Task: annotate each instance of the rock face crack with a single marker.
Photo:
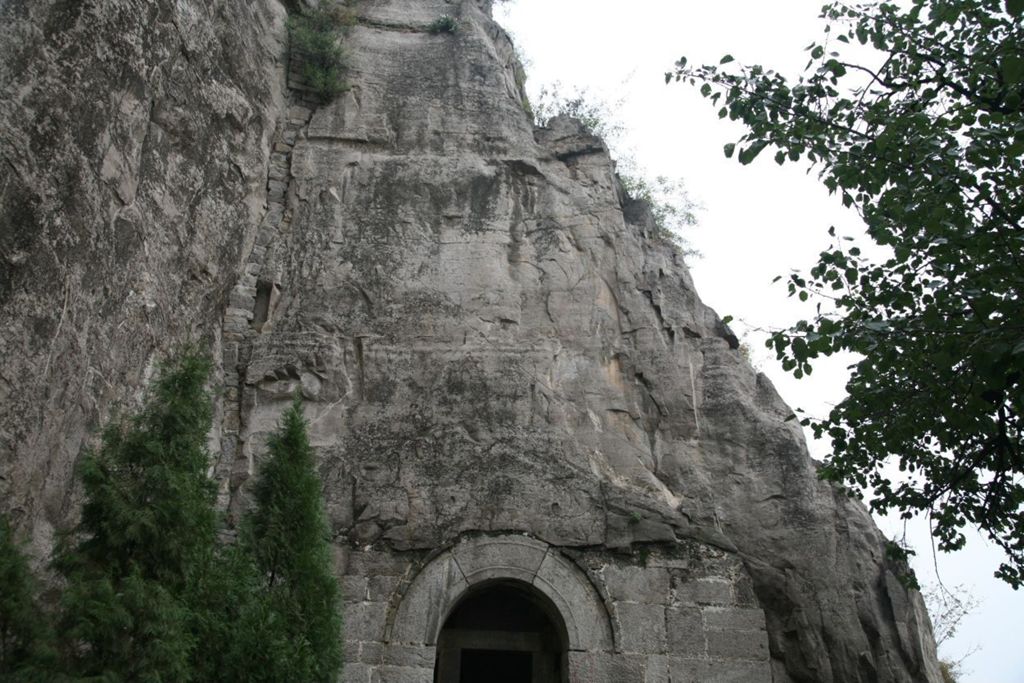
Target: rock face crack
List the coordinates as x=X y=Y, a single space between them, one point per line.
x=243 y=324
x=663 y=324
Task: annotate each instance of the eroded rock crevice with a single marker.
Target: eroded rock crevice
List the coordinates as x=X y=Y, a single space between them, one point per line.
x=254 y=299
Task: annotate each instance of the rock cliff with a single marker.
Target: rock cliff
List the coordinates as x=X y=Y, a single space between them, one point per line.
x=490 y=342
x=135 y=139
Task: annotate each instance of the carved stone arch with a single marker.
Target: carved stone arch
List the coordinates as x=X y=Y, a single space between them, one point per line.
x=441 y=584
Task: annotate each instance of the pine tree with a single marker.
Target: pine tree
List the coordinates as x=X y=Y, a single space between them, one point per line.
x=288 y=536
x=240 y=637
x=146 y=537
x=25 y=638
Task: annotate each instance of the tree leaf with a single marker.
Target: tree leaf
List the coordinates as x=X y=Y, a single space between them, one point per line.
x=934 y=315
x=1013 y=69
x=748 y=154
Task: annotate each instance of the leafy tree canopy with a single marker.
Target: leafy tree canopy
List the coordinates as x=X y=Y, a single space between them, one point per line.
x=924 y=137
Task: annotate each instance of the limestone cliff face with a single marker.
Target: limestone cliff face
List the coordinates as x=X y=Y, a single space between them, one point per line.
x=134 y=140
x=489 y=341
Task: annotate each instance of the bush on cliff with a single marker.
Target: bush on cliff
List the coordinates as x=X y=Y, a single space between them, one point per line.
x=315 y=35
x=672 y=210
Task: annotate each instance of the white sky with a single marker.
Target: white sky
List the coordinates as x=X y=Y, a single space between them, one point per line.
x=758 y=221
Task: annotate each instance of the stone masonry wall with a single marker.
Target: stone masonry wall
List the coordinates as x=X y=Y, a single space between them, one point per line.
x=681 y=612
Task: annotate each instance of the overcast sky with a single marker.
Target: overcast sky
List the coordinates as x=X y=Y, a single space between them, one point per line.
x=757 y=221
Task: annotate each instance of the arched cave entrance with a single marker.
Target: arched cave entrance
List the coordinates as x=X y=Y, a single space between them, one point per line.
x=502 y=632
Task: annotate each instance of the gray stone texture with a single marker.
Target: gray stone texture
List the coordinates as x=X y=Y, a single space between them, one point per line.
x=134 y=139
x=489 y=339
x=641 y=627
x=685 y=628
x=602 y=666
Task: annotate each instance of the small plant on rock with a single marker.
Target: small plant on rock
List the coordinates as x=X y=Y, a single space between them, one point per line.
x=315 y=36
x=444 y=24
x=672 y=209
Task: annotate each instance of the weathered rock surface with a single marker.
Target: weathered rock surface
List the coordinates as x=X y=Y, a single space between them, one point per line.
x=490 y=343
x=134 y=141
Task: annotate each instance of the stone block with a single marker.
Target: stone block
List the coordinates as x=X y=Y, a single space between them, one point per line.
x=685 y=631
x=657 y=670
x=381 y=588
x=686 y=670
x=358 y=673
x=249 y=280
x=299 y=114
x=637 y=584
x=229 y=355
x=704 y=671
x=508 y=557
x=371 y=653
x=242 y=314
x=350 y=650
x=365 y=620
x=276 y=190
x=376 y=563
x=231 y=423
x=641 y=627
x=577 y=601
x=705 y=592
x=734 y=618
x=240 y=300
x=405 y=674
x=738 y=644
x=274 y=215
x=354 y=588
x=603 y=667
x=434 y=590
x=265 y=235
x=416 y=656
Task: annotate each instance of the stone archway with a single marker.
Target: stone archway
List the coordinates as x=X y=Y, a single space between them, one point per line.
x=502 y=632
x=476 y=565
